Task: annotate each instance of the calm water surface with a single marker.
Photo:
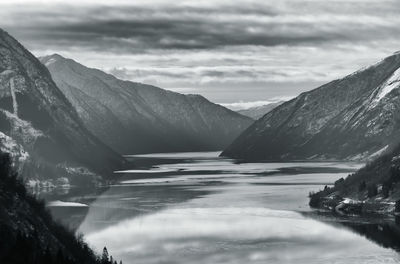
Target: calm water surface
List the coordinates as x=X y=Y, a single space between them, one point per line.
x=198 y=208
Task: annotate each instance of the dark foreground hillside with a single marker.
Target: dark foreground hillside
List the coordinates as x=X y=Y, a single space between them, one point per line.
x=375 y=188
x=27 y=231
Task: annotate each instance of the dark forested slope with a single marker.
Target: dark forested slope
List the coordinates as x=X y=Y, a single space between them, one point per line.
x=27 y=231
x=373 y=188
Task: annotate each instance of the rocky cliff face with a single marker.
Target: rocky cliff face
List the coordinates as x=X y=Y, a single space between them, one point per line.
x=37 y=122
x=356 y=117
x=138 y=118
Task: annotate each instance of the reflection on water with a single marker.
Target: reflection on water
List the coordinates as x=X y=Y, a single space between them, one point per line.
x=386 y=234
x=125 y=202
x=197 y=208
x=383 y=230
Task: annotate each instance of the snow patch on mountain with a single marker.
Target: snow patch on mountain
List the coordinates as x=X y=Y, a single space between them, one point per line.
x=7 y=72
x=391 y=84
x=50 y=61
x=14 y=97
x=28 y=132
x=15 y=150
x=379 y=152
x=59 y=203
x=9 y=145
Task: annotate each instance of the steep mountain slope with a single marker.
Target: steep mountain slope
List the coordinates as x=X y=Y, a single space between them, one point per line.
x=138 y=118
x=259 y=111
x=351 y=118
x=38 y=125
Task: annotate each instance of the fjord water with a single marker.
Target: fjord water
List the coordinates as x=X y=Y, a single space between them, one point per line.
x=198 y=208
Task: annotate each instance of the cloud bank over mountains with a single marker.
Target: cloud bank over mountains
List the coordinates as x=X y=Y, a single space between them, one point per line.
x=228 y=51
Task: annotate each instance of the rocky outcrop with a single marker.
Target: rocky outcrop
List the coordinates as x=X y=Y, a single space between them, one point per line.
x=138 y=118
x=354 y=118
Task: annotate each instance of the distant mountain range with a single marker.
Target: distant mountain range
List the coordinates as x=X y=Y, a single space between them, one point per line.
x=354 y=118
x=39 y=127
x=138 y=118
x=259 y=111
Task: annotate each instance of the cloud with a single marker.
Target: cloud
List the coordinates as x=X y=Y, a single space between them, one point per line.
x=197 y=46
x=142 y=28
x=247 y=105
x=233 y=234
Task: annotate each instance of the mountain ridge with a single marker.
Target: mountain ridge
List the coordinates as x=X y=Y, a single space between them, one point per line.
x=145 y=118
x=36 y=116
x=329 y=121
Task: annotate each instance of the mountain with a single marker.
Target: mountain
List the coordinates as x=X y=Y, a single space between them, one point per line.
x=27 y=230
x=259 y=111
x=138 y=118
x=374 y=188
x=354 y=118
x=38 y=125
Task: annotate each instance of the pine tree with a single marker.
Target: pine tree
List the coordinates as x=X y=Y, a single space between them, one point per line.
x=60 y=257
x=47 y=258
x=104 y=257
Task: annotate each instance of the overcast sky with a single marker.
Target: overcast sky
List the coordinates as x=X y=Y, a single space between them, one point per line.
x=229 y=51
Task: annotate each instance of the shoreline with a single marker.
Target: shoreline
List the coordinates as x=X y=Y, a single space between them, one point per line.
x=349 y=206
